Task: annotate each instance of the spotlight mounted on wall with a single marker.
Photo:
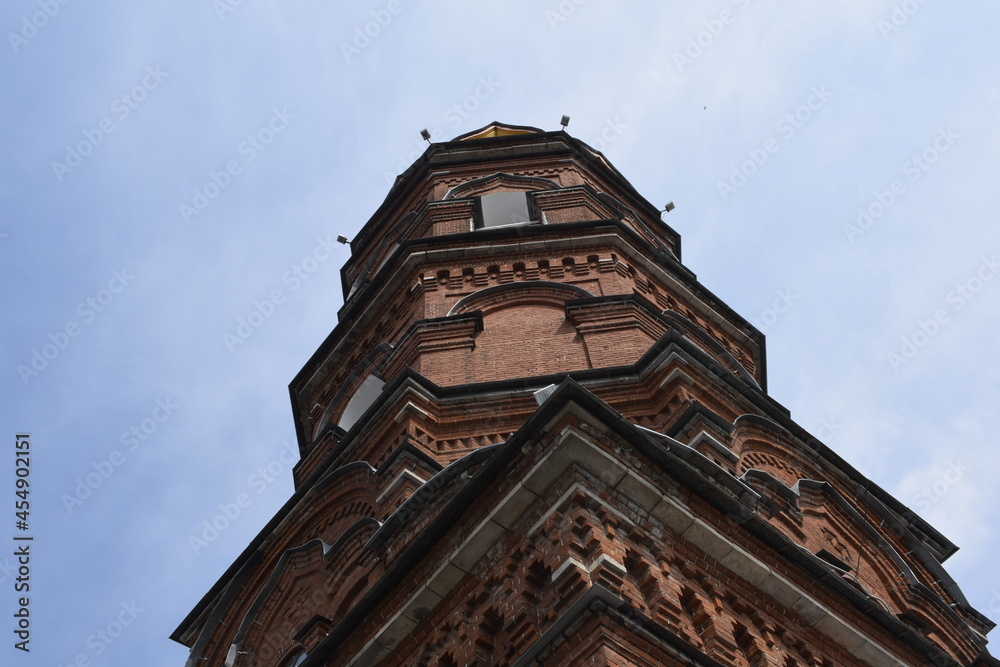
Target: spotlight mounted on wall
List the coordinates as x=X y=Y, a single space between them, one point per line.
x=425 y=135
x=564 y=121
x=669 y=207
x=342 y=239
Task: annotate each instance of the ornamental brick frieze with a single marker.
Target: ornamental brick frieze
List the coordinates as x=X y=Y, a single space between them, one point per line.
x=309 y=589
x=577 y=270
x=613 y=274
x=587 y=539
x=764 y=445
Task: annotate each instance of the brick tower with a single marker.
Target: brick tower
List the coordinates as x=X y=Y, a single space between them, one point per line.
x=535 y=438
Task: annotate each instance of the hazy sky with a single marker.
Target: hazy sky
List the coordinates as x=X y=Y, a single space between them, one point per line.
x=169 y=165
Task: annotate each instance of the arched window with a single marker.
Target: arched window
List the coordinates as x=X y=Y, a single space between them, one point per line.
x=363 y=398
x=295 y=659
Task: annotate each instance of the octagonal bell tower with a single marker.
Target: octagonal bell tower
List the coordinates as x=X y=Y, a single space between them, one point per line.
x=533 y=437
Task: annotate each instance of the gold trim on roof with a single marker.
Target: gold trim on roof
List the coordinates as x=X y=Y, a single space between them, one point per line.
x=497 y=131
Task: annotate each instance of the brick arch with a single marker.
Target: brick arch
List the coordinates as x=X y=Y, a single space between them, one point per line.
x=525 y=331
x=767 y=458
x=340 y=498
x=876 y=573
x=500 y=182
x=887 y=567
x=763 y=445
x=533 y=291
x=358 y=584
x=931 y=625
x=887 y=564
x=423 y=502
x=371 y=364
x=306 y=586
x=292 y=656
x=391 y=238
x=289 y=599
x=350 y=570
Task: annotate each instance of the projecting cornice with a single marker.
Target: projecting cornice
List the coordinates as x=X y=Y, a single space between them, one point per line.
x=574 y=448
x=703 y=477
x=499 y=147
x=369 y=301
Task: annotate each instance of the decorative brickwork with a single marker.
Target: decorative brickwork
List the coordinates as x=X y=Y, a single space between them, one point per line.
x=546 y=443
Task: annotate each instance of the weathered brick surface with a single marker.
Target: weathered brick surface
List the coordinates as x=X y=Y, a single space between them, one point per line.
x=425 y=536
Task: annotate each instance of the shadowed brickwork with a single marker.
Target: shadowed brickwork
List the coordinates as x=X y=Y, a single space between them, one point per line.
x=543 y=441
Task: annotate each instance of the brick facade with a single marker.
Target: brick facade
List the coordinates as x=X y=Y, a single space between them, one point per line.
x=547 y=443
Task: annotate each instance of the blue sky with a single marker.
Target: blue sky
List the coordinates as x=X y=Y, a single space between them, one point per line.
x=833 y=166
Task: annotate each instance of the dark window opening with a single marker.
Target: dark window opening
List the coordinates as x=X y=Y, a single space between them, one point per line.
x=502 y=208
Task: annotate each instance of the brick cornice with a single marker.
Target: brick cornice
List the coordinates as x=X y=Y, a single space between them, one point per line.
x=570 y=396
